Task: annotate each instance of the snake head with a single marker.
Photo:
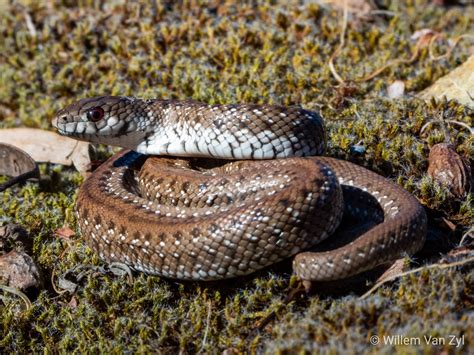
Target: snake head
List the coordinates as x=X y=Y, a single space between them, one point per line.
x=114 y=120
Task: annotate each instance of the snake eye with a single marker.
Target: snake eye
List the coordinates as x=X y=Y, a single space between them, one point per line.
x=95 y=114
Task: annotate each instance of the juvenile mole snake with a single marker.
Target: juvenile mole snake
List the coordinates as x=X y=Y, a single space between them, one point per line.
x=205 y=219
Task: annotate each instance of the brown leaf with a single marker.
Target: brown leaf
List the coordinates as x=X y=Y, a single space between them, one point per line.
x=449 y=169
x=396 y=268
x=73 y=302
x=423 y=36
x=64 y=232
x=16 y=163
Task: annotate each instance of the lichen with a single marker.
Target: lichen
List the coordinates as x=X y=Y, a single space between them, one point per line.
x=221 y=52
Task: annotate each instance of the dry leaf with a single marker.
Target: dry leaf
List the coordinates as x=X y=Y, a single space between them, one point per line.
x=459 y=253
x=457 y=85
x=16 y=163
x=73 y=303
x=49 y=147
x=396 y=268
x=449 y=169
x=64 y=232
x=423 y=36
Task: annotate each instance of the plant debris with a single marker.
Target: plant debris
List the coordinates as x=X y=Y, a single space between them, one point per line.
x=449 y=169
x=457 y=85
x=16 y=163
x=49 y=147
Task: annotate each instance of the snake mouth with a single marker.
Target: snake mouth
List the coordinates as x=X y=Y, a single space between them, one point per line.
x=64 y=129
x=54 y=122
x=61 y=125
x=63 y=132
x=77 y=136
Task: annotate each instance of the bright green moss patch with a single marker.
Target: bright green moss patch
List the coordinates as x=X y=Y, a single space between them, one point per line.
x=54 y=53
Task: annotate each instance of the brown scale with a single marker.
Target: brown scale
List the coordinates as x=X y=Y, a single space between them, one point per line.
x=401 y=229
x=203 y=220
x=274 y=220
x=226 y=252
x=191 y=183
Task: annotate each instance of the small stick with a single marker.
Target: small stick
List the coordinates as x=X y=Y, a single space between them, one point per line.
x=18 y=293
x=340 y=46
x=432 y=266
x=456 y=40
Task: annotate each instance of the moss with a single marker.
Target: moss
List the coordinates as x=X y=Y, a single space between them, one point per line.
x=221 y=52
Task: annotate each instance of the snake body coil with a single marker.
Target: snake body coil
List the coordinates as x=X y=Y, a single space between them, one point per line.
x=201 y=219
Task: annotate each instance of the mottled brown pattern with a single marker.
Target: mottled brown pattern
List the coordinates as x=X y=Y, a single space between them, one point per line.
x=203 y=219
x=449 y=169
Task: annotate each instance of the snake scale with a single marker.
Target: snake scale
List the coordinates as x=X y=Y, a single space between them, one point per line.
x=263 y=197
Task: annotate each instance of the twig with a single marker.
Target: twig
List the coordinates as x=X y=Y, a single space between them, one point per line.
x=422 y=268
x=340 y=46
x=376 y=72
x=410 y=60
x=383 y=12
x=58 y=291
x=415 y=55
x=19 y=179
x=462 y=124
x=29 y=24
x=208 y=321
x=391 y=64
x=464 y=237
x=456 y=40
x=18 y=293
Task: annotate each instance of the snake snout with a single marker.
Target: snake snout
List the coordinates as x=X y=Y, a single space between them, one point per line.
x=59 y=119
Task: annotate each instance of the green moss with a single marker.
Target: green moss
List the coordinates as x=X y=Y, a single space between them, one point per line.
x=268 y=52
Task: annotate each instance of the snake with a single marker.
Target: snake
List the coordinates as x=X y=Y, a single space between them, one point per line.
x=207 y=192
